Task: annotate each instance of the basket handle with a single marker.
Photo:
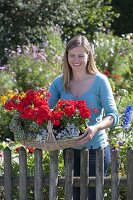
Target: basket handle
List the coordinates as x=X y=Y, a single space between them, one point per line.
x=51 y=136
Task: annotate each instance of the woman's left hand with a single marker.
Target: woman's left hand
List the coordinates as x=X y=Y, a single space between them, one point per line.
x=89 y=132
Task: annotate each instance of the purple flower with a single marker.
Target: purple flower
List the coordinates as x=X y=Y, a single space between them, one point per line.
x=127 y=118
x=41 y=57
x=117 y=150
x=45 y=43
x=34 y=49
x=3 y=67
x=120 y=142
x=35 y=55
x=19 y=50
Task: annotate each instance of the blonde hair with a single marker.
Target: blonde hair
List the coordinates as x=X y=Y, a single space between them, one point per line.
x=90 y=67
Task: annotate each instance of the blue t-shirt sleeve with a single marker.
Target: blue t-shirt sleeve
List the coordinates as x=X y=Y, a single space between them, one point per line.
x=107 y=100
x=54 y=93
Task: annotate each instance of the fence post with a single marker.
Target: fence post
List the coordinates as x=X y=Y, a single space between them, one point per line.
x=114 y=176
x=7 y=174
x=84 y=174
x=53 y=179
x=99 y=174
x=22 y=174
x=69 y=171
x=38 y=175
x=130 y=174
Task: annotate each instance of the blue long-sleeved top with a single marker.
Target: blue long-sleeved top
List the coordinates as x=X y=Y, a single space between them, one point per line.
x=99 y=96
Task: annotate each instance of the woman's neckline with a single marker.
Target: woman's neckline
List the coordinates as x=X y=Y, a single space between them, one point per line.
x=86 y=90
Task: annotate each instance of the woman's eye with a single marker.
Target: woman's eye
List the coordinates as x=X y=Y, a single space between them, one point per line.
x=81 y=57
x=72 y=56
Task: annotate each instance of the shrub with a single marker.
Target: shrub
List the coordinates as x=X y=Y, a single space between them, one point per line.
x=36 y=66
x=114 y=58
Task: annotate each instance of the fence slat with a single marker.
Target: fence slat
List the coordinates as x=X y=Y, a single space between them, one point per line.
x=7 y=174
x=69 y=172
x=130 y=174
x=53 y=179
x=99 y=174
x=38 y=175
x=22 y=174
x=114 y=176
x=84 y=174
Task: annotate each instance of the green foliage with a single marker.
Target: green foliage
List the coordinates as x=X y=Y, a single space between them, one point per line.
x=24 y=22
x=89 y=17
x=31 y=65
x=121 y=139
x=6 y=81
x=114 y=58
x=5 y=118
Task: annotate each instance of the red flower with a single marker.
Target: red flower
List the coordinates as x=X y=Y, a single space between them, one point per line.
x=107 y=73
x=95 y=110
x=56 y=122
x=17 y=149
x=85 y=112
x=30 y=149
x=33 y=106
x=70 y=110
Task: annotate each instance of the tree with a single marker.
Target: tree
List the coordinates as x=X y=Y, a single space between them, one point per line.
x=23 y=21
x=123 y=24
x=87 y=17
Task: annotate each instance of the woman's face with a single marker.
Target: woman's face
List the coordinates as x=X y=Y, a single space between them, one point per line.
x=78 y=58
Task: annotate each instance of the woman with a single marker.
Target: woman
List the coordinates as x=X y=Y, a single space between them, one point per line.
x=82 y=80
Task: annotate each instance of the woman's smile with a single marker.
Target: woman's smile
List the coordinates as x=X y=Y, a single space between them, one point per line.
x=75 y=64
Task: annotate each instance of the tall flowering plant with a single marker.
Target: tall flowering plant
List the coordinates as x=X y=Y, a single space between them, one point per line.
x=126 y=118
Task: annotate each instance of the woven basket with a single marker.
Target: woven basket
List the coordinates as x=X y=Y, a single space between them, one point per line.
x=51 y=144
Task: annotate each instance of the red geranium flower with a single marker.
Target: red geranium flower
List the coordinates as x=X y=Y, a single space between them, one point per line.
x=71 y=111
x=33 y=108
x=30 y=149
x=107 y=73
x=17 y=149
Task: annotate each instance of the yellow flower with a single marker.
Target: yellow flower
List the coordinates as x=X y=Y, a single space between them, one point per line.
x=10 y=94
x=7 y=96
x=3 y=99
x=22 y=95
x=116 y=145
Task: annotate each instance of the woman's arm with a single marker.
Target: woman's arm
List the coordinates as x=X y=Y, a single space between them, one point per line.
x=90 y=131
x=110 y=111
